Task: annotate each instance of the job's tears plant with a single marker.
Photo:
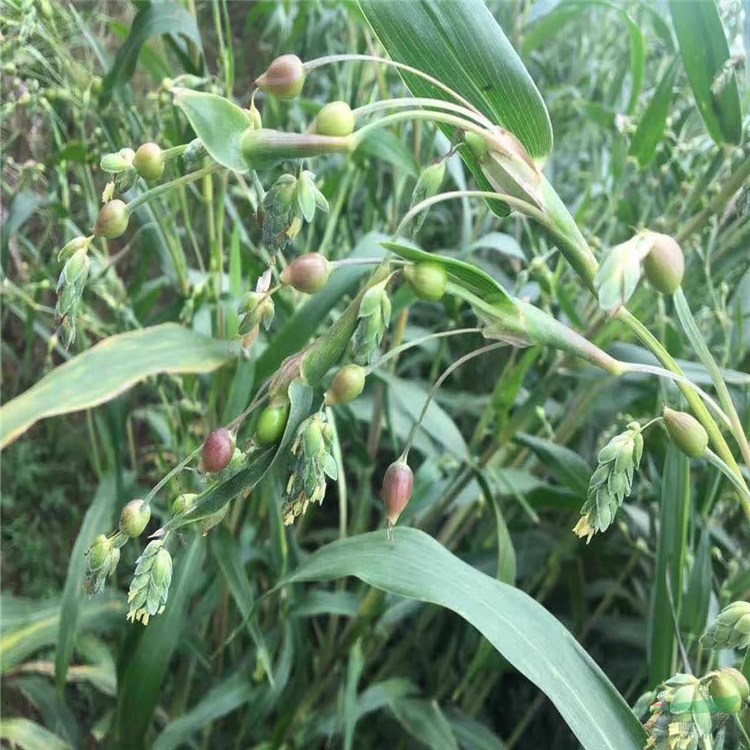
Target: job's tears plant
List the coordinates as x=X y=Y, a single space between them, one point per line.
x=290 y=426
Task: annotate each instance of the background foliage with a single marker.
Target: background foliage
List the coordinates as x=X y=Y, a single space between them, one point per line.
x=343 y=663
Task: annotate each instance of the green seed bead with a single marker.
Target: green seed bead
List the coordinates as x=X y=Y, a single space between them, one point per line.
x=664 y=265
x=686 y=432
x=134 y=518
x=347 y=385
x=149 y=162
x=271 y=424
x=428 y=280
x=284 y=78
x=112 y=220
x=726 y=694
x=335 y=119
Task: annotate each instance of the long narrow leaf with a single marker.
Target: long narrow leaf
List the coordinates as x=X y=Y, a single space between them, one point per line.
x=523 y=631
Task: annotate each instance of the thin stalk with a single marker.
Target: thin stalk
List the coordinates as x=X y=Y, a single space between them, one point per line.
x=694 y=401
x=731 y=186
x=155 y=192
x=174 y=151
x=438 y=383
x=416 y=101
x=732 y=477
x=682 y=380
x=699 y=345
x=417 y=342
x=420 y=114
x=511 y=200
x=329 y=59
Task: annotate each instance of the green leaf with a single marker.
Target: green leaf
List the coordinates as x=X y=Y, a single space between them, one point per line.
x=523 y=631
x=153 y=19
x=472 y=735
x=670 y=563
x=108 y=369
x=28 y=735
x=566 y=465
x=29 y=627
x=227 y=554
x=705 y=53
x=98 y=517
x=694 y=612
x=148 y=661
x=221 y=700
x=425 y=722
x=651 y=126
x=219 y=123
x=462 y=45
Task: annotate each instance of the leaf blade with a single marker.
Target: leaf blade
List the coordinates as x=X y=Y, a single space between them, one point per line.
x=124 y=360
x=417 y=566
x=219 y=123
x=705 y=52
x=462 y=45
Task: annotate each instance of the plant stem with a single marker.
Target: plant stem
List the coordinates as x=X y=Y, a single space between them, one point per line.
x=697 y=406
x=517 y=203
x=680 y=379
x=416 y=342
x=736 y=481
x=731 y=186
x=415 y=101
x=328 y=59
x=699 y=345
x=419 y=114
x=438 y=383
x=155 y=192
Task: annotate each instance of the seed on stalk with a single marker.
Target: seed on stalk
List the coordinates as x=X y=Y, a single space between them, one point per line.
x=134 y=518
x=664 y=265
x=309 y=273
x=347 y=385
x=218 y=450
x=112 y=220
x=149 y=162
x=428 y=280
x=398 y=483
x=284 y=77
x=687 y=433
x=336 y=119
x=729 y=690
x=271 y=424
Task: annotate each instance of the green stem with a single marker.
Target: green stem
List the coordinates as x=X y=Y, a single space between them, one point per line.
x=328 y=59
x=680 y=380
x=417 y=342
x=731 y=186
x=694 y=401
x=736 y=481
x=174 y=152
x=699 y=345
x=420 y=114
x=155 y=192
x=411 y=101
x=438 y=383
x=517 y=203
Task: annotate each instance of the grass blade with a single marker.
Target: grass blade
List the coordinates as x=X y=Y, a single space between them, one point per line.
x=523 y=631
x=98 y=517
x=670 y=563
x=108 y=369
